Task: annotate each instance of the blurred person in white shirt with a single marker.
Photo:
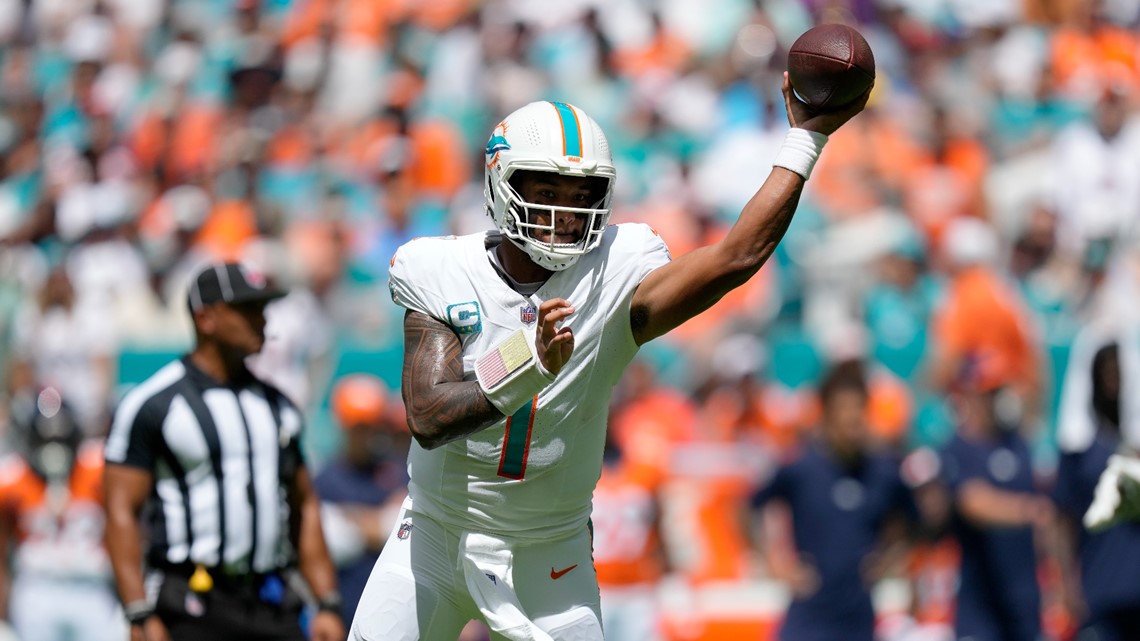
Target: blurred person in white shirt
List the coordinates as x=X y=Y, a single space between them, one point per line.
x=72 y=347
x=1096 y=161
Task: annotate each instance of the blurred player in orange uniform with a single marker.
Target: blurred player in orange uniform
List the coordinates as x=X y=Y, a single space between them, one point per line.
x=628 y=552
x=59 y=580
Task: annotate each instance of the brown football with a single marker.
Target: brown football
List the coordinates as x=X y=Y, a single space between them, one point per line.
x=830 y=65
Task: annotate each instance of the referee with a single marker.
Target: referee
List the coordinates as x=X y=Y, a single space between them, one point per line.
x=208 y=458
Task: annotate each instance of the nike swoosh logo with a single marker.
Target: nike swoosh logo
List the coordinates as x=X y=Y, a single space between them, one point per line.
x=557 y=574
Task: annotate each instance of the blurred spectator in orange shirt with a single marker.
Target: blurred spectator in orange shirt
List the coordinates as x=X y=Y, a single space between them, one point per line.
x=948 y=178
x=1088 y=50
x=866 y=166
x=664 y=53
x=983 y=314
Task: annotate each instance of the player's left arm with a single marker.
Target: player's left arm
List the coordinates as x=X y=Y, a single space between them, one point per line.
x=687 y=286
x=313 y=558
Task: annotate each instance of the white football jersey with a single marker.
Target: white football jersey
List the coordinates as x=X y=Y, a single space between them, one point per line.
x=532 y=474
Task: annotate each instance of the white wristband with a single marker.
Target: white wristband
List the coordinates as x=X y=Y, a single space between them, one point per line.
x=800 y=150
x=510 y=374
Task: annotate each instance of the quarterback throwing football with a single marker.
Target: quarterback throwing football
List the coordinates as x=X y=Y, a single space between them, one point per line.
x=514 y=340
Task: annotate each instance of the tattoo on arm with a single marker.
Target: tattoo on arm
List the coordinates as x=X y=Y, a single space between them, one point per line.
x=638 y=319
x=441 y=406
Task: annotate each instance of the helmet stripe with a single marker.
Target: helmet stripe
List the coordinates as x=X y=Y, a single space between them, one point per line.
x=571 y=132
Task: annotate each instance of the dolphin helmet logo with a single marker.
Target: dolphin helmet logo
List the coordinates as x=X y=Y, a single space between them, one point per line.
x=497 y=143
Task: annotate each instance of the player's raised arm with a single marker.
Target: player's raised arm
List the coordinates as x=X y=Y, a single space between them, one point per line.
x=674 y=293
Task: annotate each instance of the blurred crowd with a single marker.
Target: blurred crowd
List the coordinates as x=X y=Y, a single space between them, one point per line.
x=983 y=206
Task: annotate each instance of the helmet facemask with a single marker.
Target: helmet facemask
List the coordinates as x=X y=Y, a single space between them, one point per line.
x=535 y=227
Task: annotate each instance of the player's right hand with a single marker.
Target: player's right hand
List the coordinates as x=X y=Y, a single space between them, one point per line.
x=553 y=342
x=825 y=122
x=151 y=630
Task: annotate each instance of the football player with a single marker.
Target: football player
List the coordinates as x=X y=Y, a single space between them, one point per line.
x=514 y=340
x=57 y=574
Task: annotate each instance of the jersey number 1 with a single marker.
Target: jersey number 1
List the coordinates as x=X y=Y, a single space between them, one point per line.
x=516 y=441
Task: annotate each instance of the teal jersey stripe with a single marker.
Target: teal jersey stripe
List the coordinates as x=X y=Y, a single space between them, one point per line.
x=571 y=134
x=513 y=462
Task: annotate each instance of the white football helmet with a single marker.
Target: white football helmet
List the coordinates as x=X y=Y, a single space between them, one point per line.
x=553 y=137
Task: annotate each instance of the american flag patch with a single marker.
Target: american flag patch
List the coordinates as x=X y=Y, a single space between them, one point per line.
x=503 y=360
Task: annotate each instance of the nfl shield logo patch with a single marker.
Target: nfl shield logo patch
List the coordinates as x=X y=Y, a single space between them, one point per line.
x=528 y=314
x=404 y=531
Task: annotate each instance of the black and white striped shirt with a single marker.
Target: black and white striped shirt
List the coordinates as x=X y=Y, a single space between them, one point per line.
x=222 y=456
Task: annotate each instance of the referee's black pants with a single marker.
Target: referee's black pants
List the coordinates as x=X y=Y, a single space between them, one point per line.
x=231 y=611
